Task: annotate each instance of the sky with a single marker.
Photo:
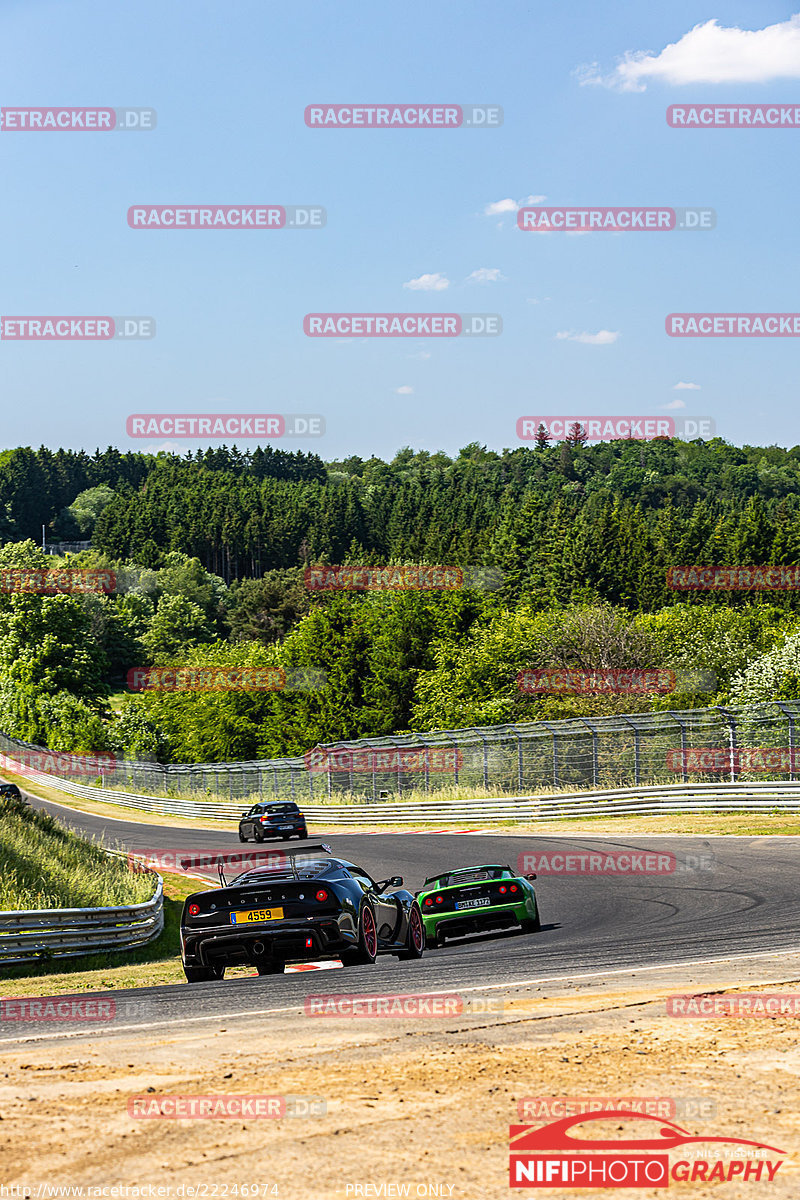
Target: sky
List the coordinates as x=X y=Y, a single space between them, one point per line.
x=417 y=220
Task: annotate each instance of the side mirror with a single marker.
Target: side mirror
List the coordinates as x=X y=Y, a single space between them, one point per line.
x=396 y=881
x=244 y=814
x=531 y=876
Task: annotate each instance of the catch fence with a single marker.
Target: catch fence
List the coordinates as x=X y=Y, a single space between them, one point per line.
x=705 y=745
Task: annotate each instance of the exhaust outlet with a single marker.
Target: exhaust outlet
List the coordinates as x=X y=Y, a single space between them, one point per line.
x=258 y=947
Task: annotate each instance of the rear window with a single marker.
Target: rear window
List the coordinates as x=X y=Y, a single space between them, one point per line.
x=479 y=875
x=282 y=808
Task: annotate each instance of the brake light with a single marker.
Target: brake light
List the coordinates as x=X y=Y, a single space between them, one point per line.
x=502 y=889
x=322 y=895
x=513 y=887
x=264 y=820
x=194 y=909
x=440 y=899
x=429 y=903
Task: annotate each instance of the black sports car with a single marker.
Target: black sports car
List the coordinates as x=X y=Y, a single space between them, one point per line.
x=308 y=907
x=272 y=820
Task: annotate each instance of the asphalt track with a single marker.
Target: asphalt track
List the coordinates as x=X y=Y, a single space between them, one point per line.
x=728 y=897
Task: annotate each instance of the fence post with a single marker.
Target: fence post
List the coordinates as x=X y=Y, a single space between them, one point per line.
x=485 y=758
x=427 y=770
x=790 y=717
x=682 y=724
x=636 y=762
x=730 y=721
x=456 y=753
x=519 y=762
x=590 y=726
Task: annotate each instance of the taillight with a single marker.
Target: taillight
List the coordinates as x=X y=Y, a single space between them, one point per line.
x=513 y=888
x=440 y=899
x=502 y=889
x=322 y=895
x=264 y=820
x=429 y=903
x=194 y=909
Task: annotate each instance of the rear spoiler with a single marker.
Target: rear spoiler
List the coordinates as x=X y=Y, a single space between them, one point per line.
x=219 y=860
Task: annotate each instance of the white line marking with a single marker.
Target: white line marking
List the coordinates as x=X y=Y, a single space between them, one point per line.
x=489 y=987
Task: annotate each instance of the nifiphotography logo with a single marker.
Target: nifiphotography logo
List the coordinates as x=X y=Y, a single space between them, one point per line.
x=552 y=1156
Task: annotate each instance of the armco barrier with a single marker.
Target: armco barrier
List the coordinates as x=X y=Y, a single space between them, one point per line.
x=643 y=801
x=70 y=932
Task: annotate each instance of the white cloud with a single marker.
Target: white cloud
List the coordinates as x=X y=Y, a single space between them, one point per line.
x=428 y=283
x=500 y=207
x=604 y=337
x=405 y=390
x=486 y=275
x=686 y=387
x=709 y=53
x=675 y=404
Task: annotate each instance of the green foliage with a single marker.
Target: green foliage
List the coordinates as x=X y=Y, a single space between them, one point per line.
x=46 y=866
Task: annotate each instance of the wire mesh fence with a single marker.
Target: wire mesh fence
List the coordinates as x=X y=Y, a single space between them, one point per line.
x=690 y=746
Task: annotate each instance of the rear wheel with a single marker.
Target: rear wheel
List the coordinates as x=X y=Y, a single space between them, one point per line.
x=532 y=926
x=242 y=838
x=203 y=974
x=367 y=949
x=271 y=968
x=415 y=936
x=433 y=941
x=303 y=833
x=259 y=836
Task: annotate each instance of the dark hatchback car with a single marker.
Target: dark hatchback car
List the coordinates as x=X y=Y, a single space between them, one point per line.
x=313 y=908
x=271 y=820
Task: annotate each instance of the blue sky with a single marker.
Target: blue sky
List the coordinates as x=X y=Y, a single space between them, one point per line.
x=230 y=83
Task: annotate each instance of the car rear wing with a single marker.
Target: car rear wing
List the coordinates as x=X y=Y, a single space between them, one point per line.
x=219 y=860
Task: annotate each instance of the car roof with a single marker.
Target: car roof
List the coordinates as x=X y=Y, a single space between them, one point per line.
x=311 y=867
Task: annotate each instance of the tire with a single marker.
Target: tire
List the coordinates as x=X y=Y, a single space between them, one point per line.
x=242 y=838
x=304 y=834
x=203 y=974
x=415 y=936
x=532 y=925
x=433 y=941
x=259 y=836
x=367 y=949
x=271 y=968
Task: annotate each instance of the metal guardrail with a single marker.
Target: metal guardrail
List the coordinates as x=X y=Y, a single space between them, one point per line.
x=642 y=801
x=45 y=933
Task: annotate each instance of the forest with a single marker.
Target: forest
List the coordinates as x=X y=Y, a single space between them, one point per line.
x=212 y=555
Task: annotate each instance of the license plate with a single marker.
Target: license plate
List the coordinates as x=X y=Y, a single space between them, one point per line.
x=254 y=915
x=483 y=903
x=287 y=826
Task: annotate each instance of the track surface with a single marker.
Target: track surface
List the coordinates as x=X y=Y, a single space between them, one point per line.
x=743 y=898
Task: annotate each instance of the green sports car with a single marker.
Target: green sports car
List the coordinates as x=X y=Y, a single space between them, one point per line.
x=476 y=899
